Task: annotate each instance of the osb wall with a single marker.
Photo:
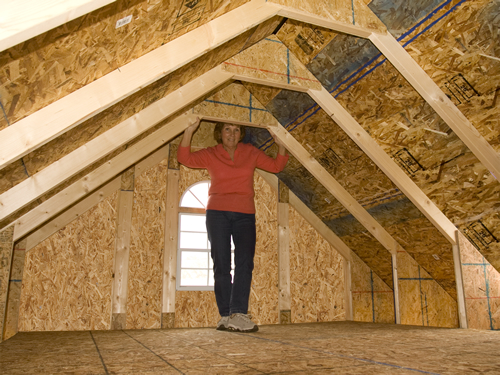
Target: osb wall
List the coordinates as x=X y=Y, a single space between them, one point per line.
x=482 y=288
x=146 y=248
x=372 y=299
x=317 y=282
x=422 y=301
x=67 y=278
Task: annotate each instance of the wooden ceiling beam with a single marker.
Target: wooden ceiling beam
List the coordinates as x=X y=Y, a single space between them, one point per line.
x=23 y=20
x=53 y=120
x=35 y=186
x=331 y=184
x=366 y=143
x=84 y=186
x=436 y=98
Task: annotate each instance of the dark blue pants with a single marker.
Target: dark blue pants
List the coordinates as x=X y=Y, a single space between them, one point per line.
x=232 y=295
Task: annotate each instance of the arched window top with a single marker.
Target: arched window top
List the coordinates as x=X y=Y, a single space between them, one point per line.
x=196 y=196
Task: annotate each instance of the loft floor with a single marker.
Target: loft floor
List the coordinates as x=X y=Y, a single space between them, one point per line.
x=321 y=348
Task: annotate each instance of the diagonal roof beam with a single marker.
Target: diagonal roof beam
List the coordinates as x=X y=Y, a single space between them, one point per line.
x=356 y=132
x=81 y=188
x=35 y=186
x=443 y=106
x=331 y=184
x=53 y=120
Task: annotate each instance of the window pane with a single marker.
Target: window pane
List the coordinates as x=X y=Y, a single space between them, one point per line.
x=193 y=240
x=190 y=201
x=194 y=277
x=200 y=191
x=194 y=259
x=211 y=278
x=193 y=223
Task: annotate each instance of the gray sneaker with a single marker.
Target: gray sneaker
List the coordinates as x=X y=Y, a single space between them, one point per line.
x=222 y=325
x=242 y=323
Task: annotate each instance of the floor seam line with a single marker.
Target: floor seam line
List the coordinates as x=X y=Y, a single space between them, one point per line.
x=99 y=353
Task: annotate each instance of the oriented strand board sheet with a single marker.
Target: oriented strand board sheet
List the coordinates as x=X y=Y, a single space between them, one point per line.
x=234 y=102
x=372 y=299
x=422 y=301
x=67 y=278
x=146 y=249
x=271 y=60
x=481 y=286
x=60 y=61
x=316 y=275
x=264 y=293
x=305 y=41
x=346 y=11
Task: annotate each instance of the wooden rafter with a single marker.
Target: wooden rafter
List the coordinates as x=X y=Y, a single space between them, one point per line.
x=356 y=132
x=326 y=179
x=71 y=164
x=436 y=98
x=81 y=188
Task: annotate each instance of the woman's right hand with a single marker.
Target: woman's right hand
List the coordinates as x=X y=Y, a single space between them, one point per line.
x=192 y=128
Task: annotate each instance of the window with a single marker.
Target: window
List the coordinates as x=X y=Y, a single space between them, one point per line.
x=194 y=263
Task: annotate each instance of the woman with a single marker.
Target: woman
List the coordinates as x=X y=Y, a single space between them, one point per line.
x=231 y=213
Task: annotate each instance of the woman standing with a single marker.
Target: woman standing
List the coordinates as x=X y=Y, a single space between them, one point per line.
x=231 y=213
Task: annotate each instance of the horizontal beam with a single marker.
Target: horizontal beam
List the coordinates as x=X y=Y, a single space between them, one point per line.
x=48 y=178
x=326 y=179
x=24 y=19
x=233 y=121
x=53 y=120
x=443 y=106
x=366 y=143
x=81 y=188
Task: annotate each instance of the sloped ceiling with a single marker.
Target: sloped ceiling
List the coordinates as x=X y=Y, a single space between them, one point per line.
x=455 y=42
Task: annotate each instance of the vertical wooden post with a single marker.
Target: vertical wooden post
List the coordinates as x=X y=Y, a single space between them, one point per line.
x=284 y=297
x=348 y=290
x=395 y=281
x=122 y=251
x=6 y=249
x=11 y=323
x=457 y=262
x=170 y=255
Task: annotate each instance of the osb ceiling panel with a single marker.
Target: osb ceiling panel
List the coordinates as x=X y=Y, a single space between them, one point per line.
x=43 y=69
x=61 y=146
x=458 y=46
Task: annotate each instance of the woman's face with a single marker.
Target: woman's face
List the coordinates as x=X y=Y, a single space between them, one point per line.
x=231 y=135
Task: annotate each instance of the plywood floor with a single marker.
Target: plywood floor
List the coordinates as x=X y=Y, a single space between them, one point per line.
x=323 y=348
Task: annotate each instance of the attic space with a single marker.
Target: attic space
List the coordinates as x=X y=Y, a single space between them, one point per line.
x=377 y=245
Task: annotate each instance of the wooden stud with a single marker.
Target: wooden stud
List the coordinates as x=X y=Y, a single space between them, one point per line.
x=349 y=314
x=84 y=156
x=170 y=255
x=284 y=296
x=6 y=249
x=395 y=288
x=122 y=250
x=23 y=20
x=326 y=179
x=356 y=132
x=55 y=119
x=96 y=178
x=443 y=106
x=457 y=262
x=10 y=326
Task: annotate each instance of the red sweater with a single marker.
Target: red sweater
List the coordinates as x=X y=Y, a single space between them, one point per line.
x=232 y=181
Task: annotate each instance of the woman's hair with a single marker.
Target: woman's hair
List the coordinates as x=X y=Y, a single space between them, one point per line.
x=218 y=131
